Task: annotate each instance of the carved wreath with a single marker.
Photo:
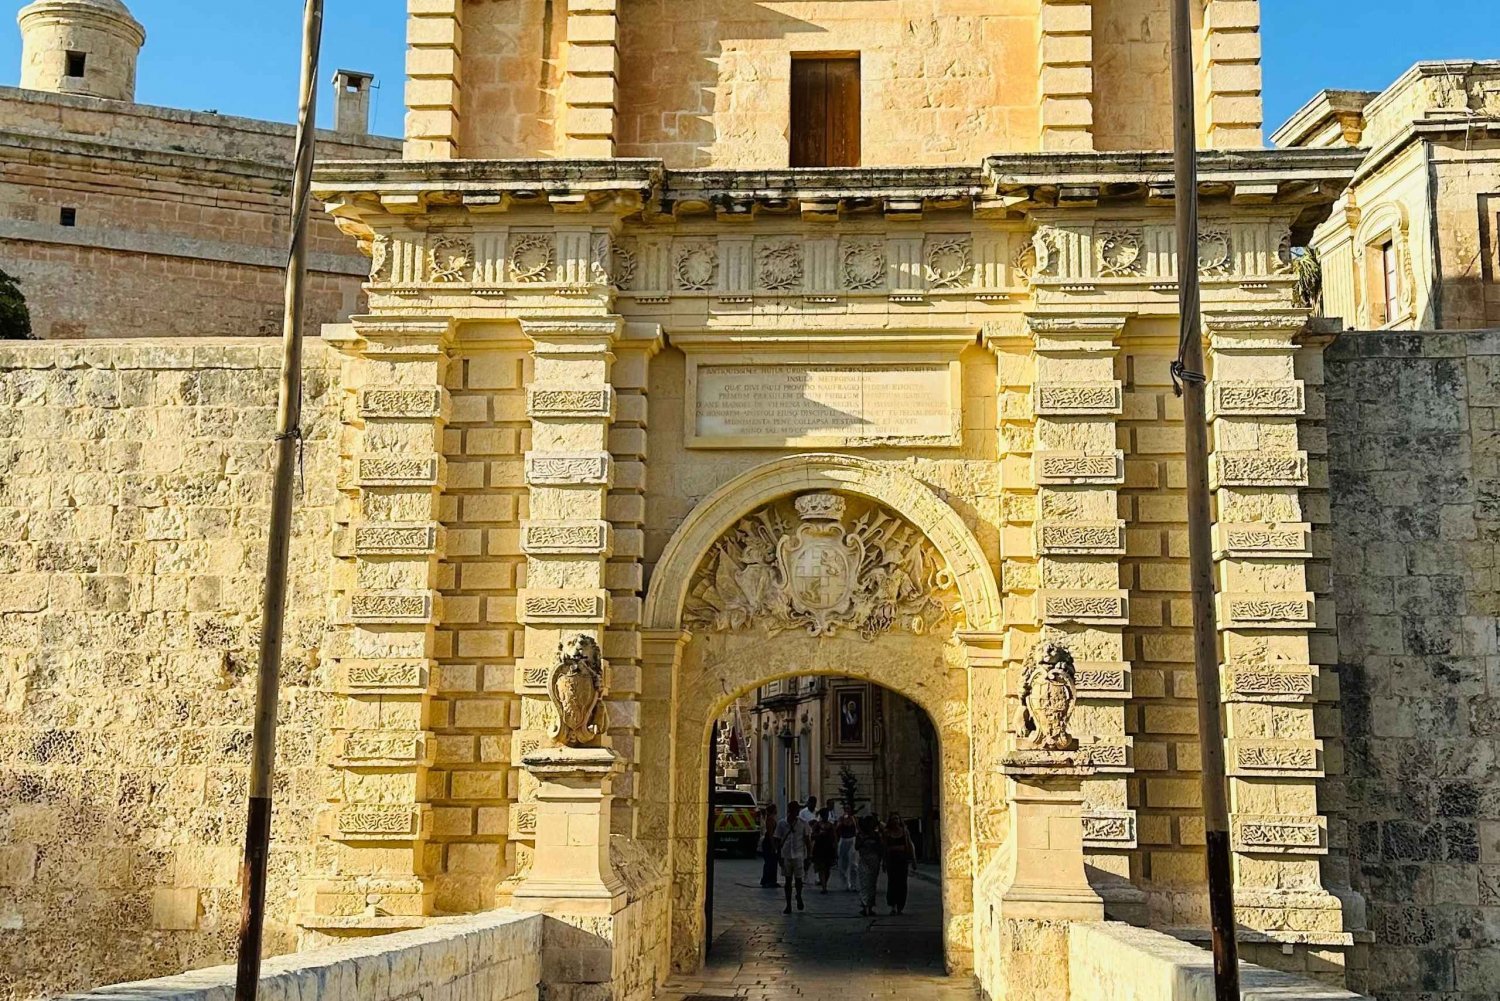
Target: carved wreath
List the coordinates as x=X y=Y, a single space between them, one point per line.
x=864 y=266
x=949 y=263
x=1120 y=254
x=531 y=258
x=622 y=267
x=450 y=259
x=781 y=266
x=697 y=267
x=1215 y=254
x=818 y=569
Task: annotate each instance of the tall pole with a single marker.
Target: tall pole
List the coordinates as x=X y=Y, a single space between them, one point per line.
x=1188 y=375
x=273 y=607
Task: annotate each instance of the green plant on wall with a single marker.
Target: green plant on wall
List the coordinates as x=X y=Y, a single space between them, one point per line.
x=15 y=318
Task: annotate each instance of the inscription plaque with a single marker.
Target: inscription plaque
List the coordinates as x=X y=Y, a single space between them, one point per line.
x=770 y=405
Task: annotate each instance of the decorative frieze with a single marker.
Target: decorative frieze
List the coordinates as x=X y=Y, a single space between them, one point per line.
x=1274 y=610
x=863 y=266
x=1077 y=399
x=553 y=402
x=394 y=540
x=568 y=469
x=385 y=677
x=1104 y=681
x=1111 y=756
x=779 y=265
x=533 y=257
x=1263 y=541
x=372 y=822
x=1265 y=684
x=1287 y=835
x=390 y=607
x=1109 y=829
x=1065 y=538
x=1086 y=607
x=1121 y=254
x=1250 y=758
x=381 y=748
x=950 y=262
x=538 y=606
x=1260 y=469
x=565 y=537
x=1060 y=468
x=399 y=471
x=1257 y=399
x=403 y=404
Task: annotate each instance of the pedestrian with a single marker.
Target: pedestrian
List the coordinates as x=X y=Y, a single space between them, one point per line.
x=846 y=829
x=770 y=848
x=796 y=847
x=809 y=814
x=869 y=850
x=825 y=850
x=899 y=854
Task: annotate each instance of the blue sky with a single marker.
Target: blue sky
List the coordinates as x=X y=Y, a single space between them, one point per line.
x=240 y=56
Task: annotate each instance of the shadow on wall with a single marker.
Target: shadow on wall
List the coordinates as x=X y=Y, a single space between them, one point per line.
x=15 y=318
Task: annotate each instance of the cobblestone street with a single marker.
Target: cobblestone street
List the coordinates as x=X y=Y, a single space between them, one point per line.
x=825 y=953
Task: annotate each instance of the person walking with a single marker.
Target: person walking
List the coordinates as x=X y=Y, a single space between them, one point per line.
x=796 y=847
x=869 y=850
x=825 y=849
x=846 y=829
x=899 y=853
x=770 y=848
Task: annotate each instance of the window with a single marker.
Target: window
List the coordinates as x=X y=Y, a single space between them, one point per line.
x=77 y=62
x=68 y=217
x=1390 y=286
x=825 y=111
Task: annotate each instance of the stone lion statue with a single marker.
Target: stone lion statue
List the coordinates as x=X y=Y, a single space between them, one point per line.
x=577 y=690
x=1049 y=693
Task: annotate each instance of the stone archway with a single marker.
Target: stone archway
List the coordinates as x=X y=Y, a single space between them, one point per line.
x=921 y=579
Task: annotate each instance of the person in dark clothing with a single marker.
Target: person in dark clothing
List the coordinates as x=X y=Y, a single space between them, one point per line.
x=825 y=847
x=899 y=853
x=770 y=848
x=869 y=850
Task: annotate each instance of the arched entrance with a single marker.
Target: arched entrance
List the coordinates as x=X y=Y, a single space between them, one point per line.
x=851 y=744
x=815 y=565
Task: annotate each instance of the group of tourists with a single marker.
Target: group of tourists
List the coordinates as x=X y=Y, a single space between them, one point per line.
x=860 y=848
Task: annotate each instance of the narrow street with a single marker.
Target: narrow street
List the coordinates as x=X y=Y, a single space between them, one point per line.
x=825 y=953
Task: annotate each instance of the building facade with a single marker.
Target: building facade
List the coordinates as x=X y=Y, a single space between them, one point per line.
x=705 y=350
x=1411 y=245
x=119 y=218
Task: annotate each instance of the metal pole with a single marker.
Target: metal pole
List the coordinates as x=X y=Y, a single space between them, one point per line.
x=273 y=607
x=1188 y=374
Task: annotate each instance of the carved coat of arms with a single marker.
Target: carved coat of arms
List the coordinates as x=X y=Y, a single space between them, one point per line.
x=577 y=690
x=1049 y=694
x=822 y=574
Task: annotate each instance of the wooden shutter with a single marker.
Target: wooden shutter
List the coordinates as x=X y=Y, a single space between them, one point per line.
x=825 y=112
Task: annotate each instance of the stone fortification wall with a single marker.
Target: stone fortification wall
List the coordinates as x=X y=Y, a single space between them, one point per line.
x=493 y=957
x=1416 y=530
x=119 y=218
x=133 y=496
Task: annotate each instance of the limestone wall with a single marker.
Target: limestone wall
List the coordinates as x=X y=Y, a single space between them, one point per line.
x=178 y=225
x=135 y=481
x=493 y=957
x=1416 y=522
x=1115 y=962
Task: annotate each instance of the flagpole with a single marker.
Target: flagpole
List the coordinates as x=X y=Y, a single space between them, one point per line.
x=1188 y=375
x=273 y=608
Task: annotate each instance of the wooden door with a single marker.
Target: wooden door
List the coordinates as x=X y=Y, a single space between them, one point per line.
x=825 y=111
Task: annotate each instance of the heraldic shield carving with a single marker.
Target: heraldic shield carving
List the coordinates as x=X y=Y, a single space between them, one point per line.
x=811 y=565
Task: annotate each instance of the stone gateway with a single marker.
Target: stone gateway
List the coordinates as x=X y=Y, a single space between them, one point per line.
x=639 y=419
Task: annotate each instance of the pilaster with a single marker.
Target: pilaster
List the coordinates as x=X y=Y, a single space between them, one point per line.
x=1266 y=614
x=1080 y=542
x=1231 y=82
x=591 y=85
x=566 y=536
x=434 y=40
x=373 y=832
x=1066 y=75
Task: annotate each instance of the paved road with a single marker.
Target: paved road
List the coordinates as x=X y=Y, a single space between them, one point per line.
x=825 y=953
